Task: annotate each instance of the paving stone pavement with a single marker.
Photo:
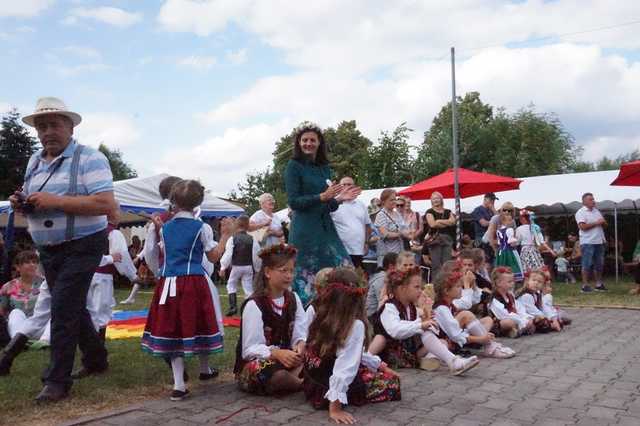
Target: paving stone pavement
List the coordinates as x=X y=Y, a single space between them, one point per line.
x=586 y=375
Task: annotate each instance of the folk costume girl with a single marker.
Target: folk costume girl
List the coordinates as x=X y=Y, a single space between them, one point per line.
x=182 y=317
x=272 y=335
x=548 y=308
x=406 y=336
x=461 y=326
x=531 y=298
x=506 y=242
x=336 y=371
x=511 y=316
x=530 y=239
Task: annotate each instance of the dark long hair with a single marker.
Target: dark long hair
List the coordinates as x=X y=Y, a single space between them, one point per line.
x=321 y=157
x=275 y=256
x=338 y=306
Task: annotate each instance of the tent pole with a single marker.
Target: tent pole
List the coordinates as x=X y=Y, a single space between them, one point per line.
x=454 y=124
x=615 y=230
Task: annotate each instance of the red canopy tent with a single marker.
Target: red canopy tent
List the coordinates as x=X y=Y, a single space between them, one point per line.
x=629 y=175
x=470 y=183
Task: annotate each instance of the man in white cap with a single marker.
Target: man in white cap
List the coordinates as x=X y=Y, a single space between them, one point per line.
x=67 y=193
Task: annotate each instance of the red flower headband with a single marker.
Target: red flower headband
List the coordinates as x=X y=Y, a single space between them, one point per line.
x=356 y=291
x=285 y=249
x=503 y=270
x=454 y=277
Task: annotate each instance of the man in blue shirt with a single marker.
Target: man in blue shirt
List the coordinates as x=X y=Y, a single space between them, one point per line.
x=67 y=193
x=481 y=217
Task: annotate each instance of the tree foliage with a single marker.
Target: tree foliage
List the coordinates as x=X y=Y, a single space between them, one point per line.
x=119 y=168
x=16 y=146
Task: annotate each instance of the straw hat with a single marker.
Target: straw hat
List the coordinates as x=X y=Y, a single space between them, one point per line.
x=51 y=105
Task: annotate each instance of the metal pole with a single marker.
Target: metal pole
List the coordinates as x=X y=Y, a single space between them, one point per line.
x=615 y=230
x=454 y=124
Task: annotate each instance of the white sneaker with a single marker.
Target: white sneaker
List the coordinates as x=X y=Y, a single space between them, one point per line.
x=429 y=363
x=459 y=365
x=506 y=348
x=128 y=302
x=494 y=350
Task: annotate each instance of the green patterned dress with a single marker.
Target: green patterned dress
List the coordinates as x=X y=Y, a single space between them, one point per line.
x=312 y=231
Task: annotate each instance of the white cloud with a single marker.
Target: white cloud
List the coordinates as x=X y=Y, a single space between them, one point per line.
x=23 y=8
x=610 y=146
x=74 y=70
x=199 y=63
x=364 y=34
x=108 y=15
x=223 y=161
x=237 y=57
x=86 y=52
x=113 y=129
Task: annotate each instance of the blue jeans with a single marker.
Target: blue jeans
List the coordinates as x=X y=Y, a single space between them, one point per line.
x=592 y=257
x=68 y=268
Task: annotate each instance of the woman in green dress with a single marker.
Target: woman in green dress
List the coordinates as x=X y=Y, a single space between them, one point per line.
x=312 y=195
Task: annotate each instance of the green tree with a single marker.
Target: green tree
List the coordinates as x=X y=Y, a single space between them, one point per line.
x=526 y=143
x=606 y=163
x=16 y=146
x=389 y=162
x=119 y=168
x=254 y=186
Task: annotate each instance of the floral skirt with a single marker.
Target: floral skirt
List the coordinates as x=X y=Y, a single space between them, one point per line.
x=402 y=354
x=255 y=375
x=510 y=259
x=367 y=387
x=531 y=258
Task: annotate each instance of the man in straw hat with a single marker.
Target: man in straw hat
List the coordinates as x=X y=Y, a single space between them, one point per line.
x=67 y=193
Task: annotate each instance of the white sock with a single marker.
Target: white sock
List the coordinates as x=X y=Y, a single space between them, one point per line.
x=177 y=366
x=436 y=347
x=204 y=364
x=134 y=291
x=476 y=328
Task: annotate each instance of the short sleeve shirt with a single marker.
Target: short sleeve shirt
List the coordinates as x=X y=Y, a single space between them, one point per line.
x=391 y=222
x=261 y=218
x=594 y=235
x=480 y=212
x=350 y=221
x=94 y=176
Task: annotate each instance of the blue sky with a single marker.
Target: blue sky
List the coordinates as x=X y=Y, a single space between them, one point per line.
x=205 y=88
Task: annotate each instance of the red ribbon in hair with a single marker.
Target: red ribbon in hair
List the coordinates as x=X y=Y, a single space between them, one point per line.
x=454 y=277
x=503 y=270
x=356 y=291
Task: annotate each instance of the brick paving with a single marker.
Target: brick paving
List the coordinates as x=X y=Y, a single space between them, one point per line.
x=586 y=375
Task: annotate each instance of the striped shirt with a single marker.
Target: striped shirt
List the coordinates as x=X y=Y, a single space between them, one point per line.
x=94 y=176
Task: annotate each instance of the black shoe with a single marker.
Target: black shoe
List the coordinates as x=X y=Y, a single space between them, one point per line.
x=233 y=305
x=208 y=376
x=586 y=289
x=11 y=351
x=178 y=395
x=51 y=394
x=601 y=287
x=86 y=372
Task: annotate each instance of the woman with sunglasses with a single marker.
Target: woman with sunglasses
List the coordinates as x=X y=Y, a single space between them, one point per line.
x=506 y=242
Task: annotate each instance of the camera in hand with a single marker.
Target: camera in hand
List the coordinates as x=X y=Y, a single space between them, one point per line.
x=24 y=206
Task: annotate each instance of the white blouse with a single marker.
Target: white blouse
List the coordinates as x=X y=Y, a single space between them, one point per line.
x=254 y=344
x=466 y=301
x=348 y=359
x=397 y=328
x=450 y=325
x=547 y=307
x=225 y=261
x=529 y=303
x=520 y=317
x=372 y=362
x=117 y=244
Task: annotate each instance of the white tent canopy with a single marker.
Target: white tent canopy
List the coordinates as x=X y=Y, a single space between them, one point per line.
x=139 y=198
x=548 y=195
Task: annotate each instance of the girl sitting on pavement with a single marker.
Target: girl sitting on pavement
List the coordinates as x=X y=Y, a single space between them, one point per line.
x=336 y=371
x=458 y=326
x=531 y=298
x=406 y=336
x=272 y=329
x=511 y=318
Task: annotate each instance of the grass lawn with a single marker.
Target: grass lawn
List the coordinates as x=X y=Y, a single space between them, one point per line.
x=133 y=377
x=617 y=296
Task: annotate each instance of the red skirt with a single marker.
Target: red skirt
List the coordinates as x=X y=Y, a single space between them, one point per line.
x=185 y=324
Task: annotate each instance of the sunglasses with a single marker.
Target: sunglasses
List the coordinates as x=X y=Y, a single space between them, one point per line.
x=400 y=204
x=507 y=211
